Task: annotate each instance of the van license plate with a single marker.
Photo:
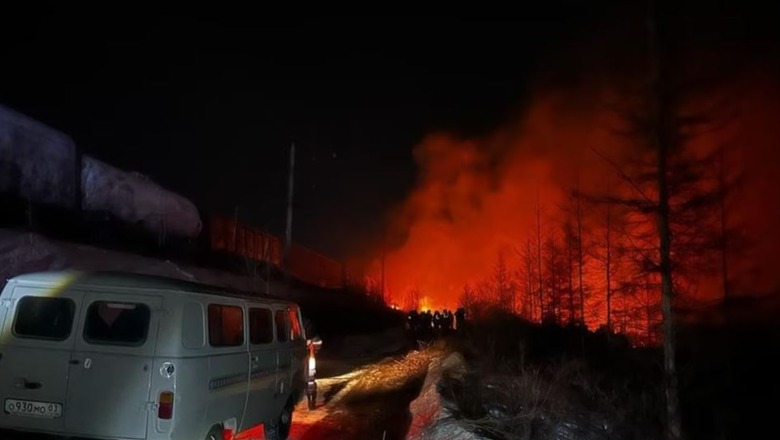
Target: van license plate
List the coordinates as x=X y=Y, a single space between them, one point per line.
x=33 y=409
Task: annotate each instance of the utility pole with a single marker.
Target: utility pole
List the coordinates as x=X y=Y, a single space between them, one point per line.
x=288 y=229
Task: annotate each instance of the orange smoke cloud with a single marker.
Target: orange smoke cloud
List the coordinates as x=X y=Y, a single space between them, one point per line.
x=477 y=198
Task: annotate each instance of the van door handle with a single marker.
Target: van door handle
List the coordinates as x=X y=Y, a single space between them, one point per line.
x=255 y=358
x=33 y=385
x=74 y=362
x=22 y=383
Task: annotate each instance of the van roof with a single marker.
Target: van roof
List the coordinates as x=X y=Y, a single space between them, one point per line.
x=133 y=280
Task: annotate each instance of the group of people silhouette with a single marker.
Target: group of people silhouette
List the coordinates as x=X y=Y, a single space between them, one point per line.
x=435 y=323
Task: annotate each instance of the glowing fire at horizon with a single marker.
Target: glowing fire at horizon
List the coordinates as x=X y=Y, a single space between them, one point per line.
x=507 y=197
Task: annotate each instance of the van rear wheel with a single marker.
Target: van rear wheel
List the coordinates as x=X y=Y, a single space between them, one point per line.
x=215 y=434
x=279 y=429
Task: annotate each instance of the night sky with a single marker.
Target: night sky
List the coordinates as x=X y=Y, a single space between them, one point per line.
x=207 y=102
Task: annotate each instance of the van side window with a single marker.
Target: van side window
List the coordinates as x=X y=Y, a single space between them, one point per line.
x=295 y=324
x=44 y=318
x=261 y=326
x=226 y=326
x=282 y=327
x=116 y=323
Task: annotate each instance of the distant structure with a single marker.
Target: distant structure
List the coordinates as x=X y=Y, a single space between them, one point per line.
x=38 y=163
x=137 y=200
x=43 y=166
x=40 y=166
x=236 y=238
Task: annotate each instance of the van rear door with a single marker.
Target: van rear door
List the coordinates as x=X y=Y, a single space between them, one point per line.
x=37 y=338
x=284 y=351
x=110 y=369
x=262 y=367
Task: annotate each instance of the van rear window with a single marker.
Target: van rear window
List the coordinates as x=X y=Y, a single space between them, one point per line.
x=226 y=326
x=282 y=326
x=116 y=323
x=261 y=326
x=44 y=318
x=295 y=324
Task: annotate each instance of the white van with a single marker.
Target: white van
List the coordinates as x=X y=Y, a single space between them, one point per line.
x=121 y=356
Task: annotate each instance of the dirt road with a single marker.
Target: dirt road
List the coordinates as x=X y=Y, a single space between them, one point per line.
x=369 y=403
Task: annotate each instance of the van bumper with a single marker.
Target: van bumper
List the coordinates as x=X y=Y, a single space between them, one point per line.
x=23 y=434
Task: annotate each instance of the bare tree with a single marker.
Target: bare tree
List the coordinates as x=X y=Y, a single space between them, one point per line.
x=580 y=258
x=608 y=265
x=477 y=300
x=729 y=243
x=539 y=256
x=662 y=188
x=527 y=280
x=570 y=243
x=412 y=299
x=504 y=285
x=468 y=299
x=557 y=278
x=673 y=202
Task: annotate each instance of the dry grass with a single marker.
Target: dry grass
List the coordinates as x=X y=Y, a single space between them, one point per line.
x=391 y=374
x=529 y=382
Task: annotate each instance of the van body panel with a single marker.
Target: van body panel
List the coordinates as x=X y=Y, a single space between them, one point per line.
x=108 y=387
x=262 y=372
x=228 y=374
x=34 y=369
x=190 y=399
x=283 y=358
x=291 y=354
x=227 y=383
x=300 y=353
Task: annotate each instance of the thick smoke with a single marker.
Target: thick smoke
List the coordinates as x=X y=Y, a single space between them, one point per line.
x=478 y=198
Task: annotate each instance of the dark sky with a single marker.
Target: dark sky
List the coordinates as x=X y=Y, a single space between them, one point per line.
x=207 y=102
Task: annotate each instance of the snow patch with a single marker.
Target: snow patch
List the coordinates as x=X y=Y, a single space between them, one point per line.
x=431 y=414
x=22 y=253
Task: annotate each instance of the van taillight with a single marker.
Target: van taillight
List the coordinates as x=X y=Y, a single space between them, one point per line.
x=312 y=365
x=165 y=408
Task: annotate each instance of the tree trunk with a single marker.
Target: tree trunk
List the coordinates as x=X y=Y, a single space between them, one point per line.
x=530 y=282
x=580 y=260
x=667 y=298
x=553 y=297
x=569 y=240
x=609 y=265
x=723 y=233
x=662 y=137
x=539 y=256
